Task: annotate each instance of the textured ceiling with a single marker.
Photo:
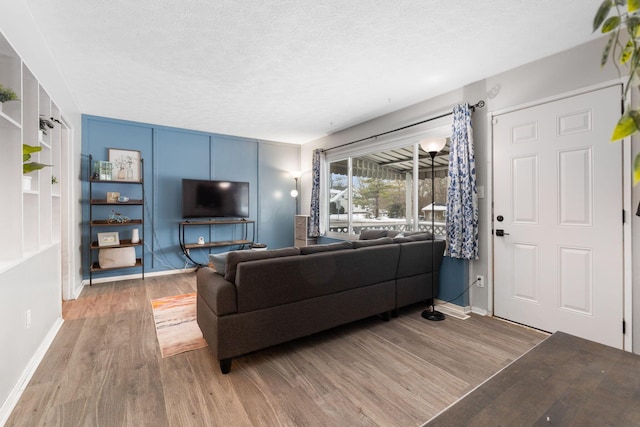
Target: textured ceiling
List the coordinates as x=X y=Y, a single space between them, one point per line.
x=291 y=70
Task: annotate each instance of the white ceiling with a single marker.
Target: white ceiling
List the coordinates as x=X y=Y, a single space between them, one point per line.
x=291 y=70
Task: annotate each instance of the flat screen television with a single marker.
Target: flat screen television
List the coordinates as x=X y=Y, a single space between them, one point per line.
x=214 y=199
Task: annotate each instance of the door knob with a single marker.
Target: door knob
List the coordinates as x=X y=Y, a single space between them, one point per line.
x=501 y=233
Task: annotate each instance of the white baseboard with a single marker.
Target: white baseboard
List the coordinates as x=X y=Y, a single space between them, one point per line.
x=454 y=310
x=77 y=290
x=479 y=311
x=139 y=276
x=21 y=385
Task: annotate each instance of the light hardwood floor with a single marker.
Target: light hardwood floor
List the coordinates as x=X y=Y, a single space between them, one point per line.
x=104 y=368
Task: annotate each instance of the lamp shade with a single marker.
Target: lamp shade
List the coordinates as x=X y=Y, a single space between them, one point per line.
x=296 y=174
x=433 y=145
x=294 y=193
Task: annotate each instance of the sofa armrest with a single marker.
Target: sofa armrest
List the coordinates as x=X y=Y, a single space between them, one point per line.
x=219 y=294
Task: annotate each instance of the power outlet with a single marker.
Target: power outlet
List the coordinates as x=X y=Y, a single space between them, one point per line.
x=27 y=318
x=480 y=281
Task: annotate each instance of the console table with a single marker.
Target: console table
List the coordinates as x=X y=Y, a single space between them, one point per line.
x=186 y=247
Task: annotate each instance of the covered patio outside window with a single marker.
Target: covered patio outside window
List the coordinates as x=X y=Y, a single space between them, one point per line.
x=376 y=191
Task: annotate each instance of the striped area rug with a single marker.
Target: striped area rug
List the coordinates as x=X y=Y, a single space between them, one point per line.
x=176 y=326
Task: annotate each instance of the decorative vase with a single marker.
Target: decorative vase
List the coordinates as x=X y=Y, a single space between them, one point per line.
x=135 y=236
x=26 y=183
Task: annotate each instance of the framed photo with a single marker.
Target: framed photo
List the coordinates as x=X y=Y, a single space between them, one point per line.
x=125 y=164
x=113 y=196
x=111 y=238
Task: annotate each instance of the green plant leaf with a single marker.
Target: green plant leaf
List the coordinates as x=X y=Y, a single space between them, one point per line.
x=610 y=24
x=33 y=166
x=601 y=14
x=633 y=5
x=636 y=170
x=626 y=126
x=632 y=24
x=7 y=94
x=607 y=50
x=627 y=52
x=28 y=149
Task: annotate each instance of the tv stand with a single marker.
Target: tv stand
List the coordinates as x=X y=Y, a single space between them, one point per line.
x=186 y=247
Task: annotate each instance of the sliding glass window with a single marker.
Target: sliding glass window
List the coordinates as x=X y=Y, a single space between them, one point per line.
x=386 y=189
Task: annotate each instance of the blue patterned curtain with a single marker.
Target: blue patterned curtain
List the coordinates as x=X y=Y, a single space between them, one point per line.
x=462 y=197
x=314 y=229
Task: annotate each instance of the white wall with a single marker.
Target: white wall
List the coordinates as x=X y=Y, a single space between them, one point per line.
x=32 y=285
x=571 y=70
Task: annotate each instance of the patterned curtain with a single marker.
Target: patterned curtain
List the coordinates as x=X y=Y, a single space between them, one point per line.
x=314 y=229
x=462 y=197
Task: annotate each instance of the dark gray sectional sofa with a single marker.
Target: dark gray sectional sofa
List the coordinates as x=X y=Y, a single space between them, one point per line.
x=269 y=297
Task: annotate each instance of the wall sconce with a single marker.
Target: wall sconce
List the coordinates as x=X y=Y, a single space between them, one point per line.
x=295 y=175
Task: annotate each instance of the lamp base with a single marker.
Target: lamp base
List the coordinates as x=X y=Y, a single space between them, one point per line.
x=432 y=314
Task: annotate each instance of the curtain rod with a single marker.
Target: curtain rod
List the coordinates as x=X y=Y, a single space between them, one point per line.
x=479 y=104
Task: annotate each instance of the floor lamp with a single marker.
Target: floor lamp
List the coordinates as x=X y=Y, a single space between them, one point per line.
x=433 y=146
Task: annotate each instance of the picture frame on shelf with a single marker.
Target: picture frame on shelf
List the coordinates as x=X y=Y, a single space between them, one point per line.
x=111 y=238
x=103 y=171
x=126 y=164
x=113 y=196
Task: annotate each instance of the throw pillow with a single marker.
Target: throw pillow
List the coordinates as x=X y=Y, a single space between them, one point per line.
x=419 y=235
x=372 y=234
x=305 y=250
x=394 y=233
x=375 y=242
x=219 y=262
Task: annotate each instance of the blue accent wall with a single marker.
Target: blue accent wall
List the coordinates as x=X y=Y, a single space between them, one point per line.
x=171 y=154
x=454 y=279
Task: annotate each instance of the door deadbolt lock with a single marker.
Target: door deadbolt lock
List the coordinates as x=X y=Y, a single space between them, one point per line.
x=501 y=233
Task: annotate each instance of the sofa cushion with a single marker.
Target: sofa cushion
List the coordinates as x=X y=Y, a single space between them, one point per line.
x=305 y=250
x=235 y=257
x=372 y=234
x=394 y=233
x=416 y=257
x=402 y=239
x=375 y=242
x=420 y=236
x=219 y=262
x=266 y=283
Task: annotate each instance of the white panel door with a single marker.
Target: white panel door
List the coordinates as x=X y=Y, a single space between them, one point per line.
x=558 y=201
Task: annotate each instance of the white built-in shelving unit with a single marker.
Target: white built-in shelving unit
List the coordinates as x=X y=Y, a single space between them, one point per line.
x=30 y=219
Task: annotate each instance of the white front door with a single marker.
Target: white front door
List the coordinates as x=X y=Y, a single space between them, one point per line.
x=558 y=200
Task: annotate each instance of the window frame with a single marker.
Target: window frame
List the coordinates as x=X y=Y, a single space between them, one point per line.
x=436 y=129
